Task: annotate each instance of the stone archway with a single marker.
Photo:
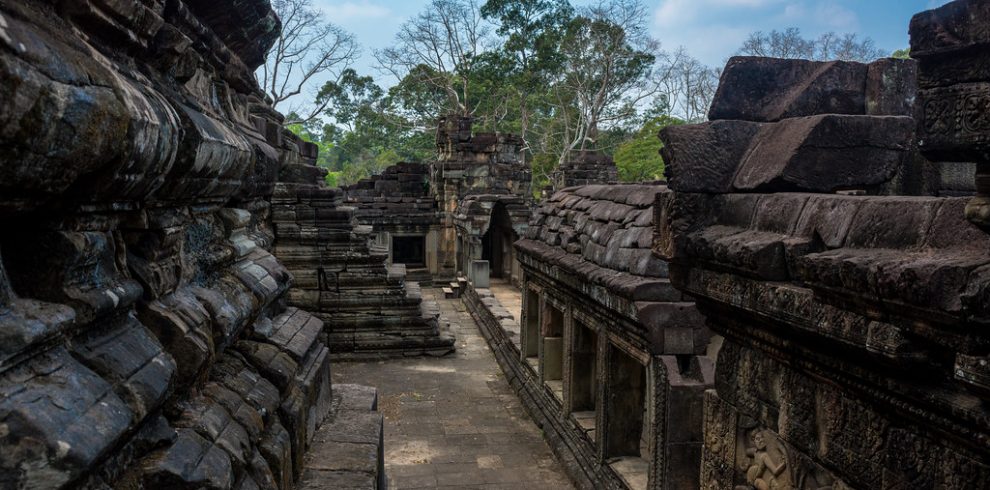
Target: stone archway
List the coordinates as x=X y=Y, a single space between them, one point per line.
x=496 y=243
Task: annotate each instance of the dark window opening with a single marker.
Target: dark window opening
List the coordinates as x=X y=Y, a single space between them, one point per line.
x=409 y=250
x=532 y=333
x=625 y=406
x=496 y=244
x=584 y=384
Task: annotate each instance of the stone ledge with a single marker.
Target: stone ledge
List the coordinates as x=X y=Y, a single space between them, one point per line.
x=348 y=450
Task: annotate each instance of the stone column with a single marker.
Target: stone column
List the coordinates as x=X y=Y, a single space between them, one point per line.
x=951 y=44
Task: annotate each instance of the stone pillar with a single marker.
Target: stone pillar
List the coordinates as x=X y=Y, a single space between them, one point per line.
x=952 y=46
x=480 y=273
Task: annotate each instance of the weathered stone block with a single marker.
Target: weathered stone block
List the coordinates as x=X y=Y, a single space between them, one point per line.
x=704 y=157
x=770 y=90
x=184 y=328
x=59 y=418
x=191 y=462
x=950 y=43
x=76 y=268
x=891 y=87
x=130 y=357
x=825 y=153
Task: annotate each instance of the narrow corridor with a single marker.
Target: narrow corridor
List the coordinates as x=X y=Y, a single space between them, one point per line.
x=454 y=422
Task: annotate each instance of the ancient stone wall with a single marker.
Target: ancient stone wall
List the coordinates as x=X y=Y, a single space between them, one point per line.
x=608 y=357
x=586 y=168
x=854 y=327
x=436 y=217
x=400 y=208
x=950 y=44
x=472 y=164
x=145 y=339
x=487 y=225
x=345 y=279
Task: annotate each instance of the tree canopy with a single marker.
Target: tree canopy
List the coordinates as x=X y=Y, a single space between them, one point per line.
x=565 y=78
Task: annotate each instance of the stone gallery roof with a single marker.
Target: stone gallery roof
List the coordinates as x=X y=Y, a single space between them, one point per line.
x=602 y=233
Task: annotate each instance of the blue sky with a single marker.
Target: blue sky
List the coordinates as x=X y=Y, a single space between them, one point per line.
x=710 y=30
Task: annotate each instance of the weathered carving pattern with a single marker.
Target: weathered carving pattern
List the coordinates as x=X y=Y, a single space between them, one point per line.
x=854 y=326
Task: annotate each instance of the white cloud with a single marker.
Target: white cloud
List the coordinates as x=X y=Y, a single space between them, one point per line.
x=836 y=16
x=794 y=11
x=348 y=11
x=674 y=12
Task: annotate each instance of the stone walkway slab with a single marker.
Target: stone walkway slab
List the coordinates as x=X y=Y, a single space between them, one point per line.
x=454 y=422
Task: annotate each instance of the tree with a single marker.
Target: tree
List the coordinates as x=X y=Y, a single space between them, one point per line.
x=688 y=89
x=530 y=54
x=439 y=48
x=351 y=98
x=638 y=159
x=829 y=46
x=847 y=47
x=308 y=48
x=610 y=66
x=904 y=53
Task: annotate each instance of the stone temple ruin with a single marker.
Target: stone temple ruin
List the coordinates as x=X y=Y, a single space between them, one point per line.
x=800 y=306
x=467 y=207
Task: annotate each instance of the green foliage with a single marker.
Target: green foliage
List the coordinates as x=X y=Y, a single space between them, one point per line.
x=564 y=78
x=638 y=159
x=305 y=132
x=901 y=53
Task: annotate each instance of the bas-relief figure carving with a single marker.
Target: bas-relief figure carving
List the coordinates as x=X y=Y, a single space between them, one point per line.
x=768 y=465
x=765 y=465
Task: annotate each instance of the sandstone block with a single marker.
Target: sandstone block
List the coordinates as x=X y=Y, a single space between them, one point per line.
x=825 y=153
x=891 y=87
x=59 y=418
x=191 y=462
x=130 y=357
x=950 y=43
x=704 y=157
x=771 y=89
x=955 y=122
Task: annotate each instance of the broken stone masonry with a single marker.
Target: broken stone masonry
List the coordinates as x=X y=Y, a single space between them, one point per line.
x=855 y=350
x=950 y=44
x=803 y=306
x=146 y=340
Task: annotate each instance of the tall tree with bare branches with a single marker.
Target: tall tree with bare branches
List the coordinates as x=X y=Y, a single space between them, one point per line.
x=308 y=50
x=440 y=48
x=789 y=43
x=611 y=67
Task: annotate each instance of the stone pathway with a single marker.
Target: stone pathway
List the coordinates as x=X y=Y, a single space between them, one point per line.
x=454 y=422
x=508 y=296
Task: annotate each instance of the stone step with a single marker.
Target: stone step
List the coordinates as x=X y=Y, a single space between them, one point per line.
x=348 y=450
x=448 y=293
